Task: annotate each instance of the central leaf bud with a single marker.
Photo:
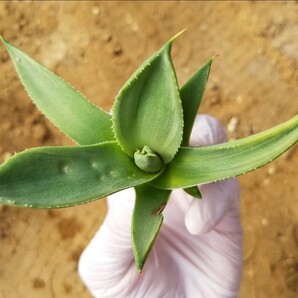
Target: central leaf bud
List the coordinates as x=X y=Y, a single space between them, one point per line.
x=147 y=160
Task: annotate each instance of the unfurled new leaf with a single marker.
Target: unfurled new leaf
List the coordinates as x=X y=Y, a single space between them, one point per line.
x=148 y=110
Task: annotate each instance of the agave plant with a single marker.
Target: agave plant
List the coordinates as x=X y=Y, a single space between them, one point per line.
x=144 y=144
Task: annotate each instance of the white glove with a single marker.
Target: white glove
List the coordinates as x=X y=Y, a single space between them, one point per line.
x=198 y=252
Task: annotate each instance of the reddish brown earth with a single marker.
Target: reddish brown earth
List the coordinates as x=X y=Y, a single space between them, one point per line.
x=96 y=46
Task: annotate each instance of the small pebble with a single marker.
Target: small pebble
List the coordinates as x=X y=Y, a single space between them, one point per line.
x=250 y=273
x=39 y=132
x=6 y=155
x=134 y=27
x=233 y=124
x=265 y=222
x=107 y=37
x=287 y=155
x=289 y=261
x=117 y=51
x=214 y=86
x=186 y=70
x=272 y=170
x=95 y=10
x=239 y=99
x=203 y=27
x=214 y=100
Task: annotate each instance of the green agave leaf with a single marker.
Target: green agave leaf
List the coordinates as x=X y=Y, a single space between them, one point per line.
x=191 y=96
x=148 y=110
x=147 y=220
x=53 y=177
x=193 y=165
x=193 y=191
x=60 y=102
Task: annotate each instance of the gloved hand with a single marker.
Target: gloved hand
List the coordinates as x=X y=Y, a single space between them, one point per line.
x=198 y=252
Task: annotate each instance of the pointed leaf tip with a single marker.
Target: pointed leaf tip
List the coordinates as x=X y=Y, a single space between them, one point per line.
x=177 y=35
x=148 y=110
x=3 y=40
x=196 y=165
x=67 y=108
x=191 y=96
x=147 y=220
x=194 y=192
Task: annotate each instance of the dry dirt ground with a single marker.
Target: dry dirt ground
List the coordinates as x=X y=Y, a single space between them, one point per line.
x=96 y=46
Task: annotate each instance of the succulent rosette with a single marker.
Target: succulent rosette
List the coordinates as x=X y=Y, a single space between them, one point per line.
x=144 y=144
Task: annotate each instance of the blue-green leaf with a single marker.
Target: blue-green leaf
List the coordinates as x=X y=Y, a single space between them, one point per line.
x=191 y=95
x=70 y=111
x=193 y=191
x=193 y=165
x=53 y=177
x=147 y=219
x=148 y=110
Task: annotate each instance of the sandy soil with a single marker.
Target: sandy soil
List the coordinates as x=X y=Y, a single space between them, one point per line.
x=96 y=46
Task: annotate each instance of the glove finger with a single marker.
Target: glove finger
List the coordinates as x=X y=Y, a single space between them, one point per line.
x=176 y=208
x=105 y=262
x=218 y=198
x=207 y=130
